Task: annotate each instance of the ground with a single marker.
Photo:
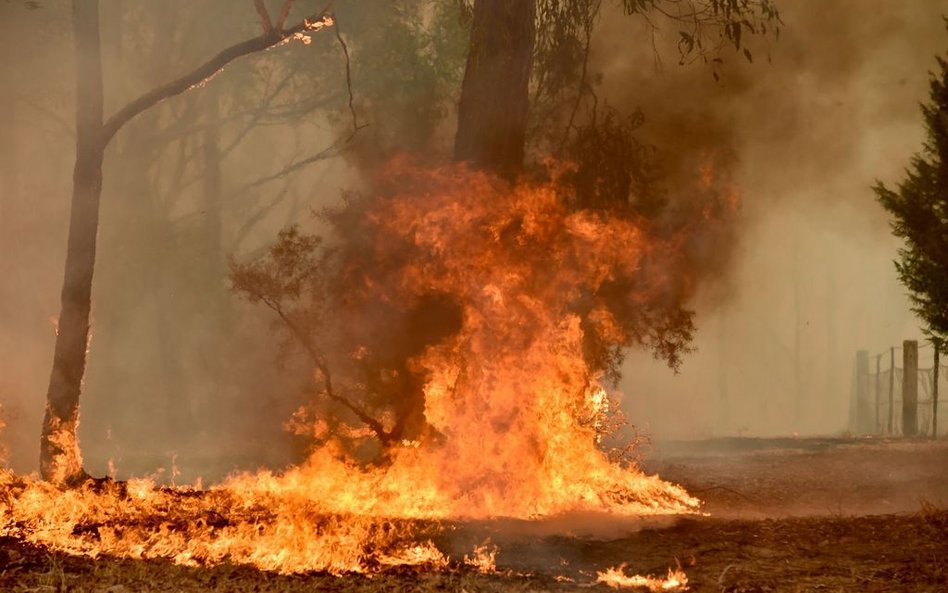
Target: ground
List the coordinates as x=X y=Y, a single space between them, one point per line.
x=783 y=516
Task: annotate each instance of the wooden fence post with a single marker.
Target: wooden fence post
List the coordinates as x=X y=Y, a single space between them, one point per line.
x=909 y=388
x=863 y=417
x=878 y=393
x=891 y=388
x=935 y=391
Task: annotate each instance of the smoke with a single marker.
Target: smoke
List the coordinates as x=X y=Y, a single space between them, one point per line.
x=821 y=113
x=181 y=369
x=184 y=378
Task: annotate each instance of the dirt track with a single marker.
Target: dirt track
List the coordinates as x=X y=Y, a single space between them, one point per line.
x=787 y=516
x=761 y=478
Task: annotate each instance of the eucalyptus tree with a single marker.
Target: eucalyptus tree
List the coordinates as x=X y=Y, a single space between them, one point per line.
x=526 y=77
x=59 y=454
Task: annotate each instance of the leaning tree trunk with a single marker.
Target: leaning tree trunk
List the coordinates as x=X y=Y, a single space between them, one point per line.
x=492 y=113
x=59 y=451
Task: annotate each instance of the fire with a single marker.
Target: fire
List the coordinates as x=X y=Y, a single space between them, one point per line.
x=676 y=580
x=515 y=411
x=484 y=558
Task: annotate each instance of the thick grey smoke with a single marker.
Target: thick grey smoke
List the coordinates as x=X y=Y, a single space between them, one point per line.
x=819 y=116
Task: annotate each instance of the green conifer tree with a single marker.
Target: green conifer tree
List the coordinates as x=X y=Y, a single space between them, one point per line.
x=919 y=210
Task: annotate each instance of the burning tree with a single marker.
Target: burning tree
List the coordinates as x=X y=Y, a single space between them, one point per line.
x=463 y=324
x=459 y=330
x=365 y=342
x=506 y=38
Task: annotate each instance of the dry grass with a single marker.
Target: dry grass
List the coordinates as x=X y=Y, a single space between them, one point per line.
x=895 y=553
x=831 y=553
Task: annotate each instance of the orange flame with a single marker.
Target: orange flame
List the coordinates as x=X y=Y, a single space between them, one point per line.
x=675 y=581
x=509 y=396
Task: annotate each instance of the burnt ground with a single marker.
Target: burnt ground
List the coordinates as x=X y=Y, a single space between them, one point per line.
x=784 y=516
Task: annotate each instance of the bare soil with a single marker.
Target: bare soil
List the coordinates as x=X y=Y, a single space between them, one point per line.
x=784 y=516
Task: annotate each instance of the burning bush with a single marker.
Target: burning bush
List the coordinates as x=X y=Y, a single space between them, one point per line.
x=471 y=322
x=460 y=329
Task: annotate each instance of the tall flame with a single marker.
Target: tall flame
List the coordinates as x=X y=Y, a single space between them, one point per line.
x=508 y=398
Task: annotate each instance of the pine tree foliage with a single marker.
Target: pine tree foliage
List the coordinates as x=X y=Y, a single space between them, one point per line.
x=919 y=210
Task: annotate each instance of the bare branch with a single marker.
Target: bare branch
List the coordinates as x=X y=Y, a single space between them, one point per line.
x=326 y=153
x=345 y=50
x=319 y=361
x=284 y=12
x=203 y=73
x=264 y=17
x=583 y=83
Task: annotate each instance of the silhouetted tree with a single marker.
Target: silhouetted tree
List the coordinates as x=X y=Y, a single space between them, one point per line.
x=919 y=209
x=59 y=453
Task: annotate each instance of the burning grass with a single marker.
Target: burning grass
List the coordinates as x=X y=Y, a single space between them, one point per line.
x=503 y=413
x=851 y=554
x=674 y=581
x=275 y=523
x=788 y=555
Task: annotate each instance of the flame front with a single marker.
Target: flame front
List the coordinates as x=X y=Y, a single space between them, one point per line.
x=508 y=398
x=674 y=582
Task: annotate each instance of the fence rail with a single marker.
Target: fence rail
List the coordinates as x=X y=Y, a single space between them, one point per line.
x=894 y=400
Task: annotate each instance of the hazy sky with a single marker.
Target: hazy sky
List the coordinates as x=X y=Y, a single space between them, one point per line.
x=824 y=111
x=820 y=115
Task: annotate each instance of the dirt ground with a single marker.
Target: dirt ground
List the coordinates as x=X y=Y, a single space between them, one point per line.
x=784 y=515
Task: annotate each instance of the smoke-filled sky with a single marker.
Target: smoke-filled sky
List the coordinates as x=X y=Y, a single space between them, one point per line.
x=821 y=113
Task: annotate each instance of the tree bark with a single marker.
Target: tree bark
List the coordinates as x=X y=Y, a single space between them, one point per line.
x=59 y=450
x=60 y=461
x=492 y=113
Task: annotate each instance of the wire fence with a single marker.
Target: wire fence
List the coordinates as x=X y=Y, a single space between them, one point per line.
x=896 y=392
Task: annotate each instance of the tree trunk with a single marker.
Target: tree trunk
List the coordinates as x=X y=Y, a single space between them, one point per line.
x=9 y=181
x=10 y=196
x=59 y=450
x=492 y=113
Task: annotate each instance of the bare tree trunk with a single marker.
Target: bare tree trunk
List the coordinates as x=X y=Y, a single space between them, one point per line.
x=59 y=450
x=216 y=309
x=212 y=182
x=724 y=404
x=797 y=334
x=492 y=113
x=9 y=178
x=10 y=195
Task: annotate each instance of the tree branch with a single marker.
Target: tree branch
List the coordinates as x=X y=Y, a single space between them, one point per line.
x=203 y=73
x=284 y=12
x=587 y=30
x=328 y=152
x=345 y=51
x=265 y=23
x=320 y=363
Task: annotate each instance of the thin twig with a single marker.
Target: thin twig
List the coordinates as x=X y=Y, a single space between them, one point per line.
x=320 y=363
x=329 y=151
x=587 y=29
x=345 y=50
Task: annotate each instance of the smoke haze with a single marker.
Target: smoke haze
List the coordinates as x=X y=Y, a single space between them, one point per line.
x=819 y=116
